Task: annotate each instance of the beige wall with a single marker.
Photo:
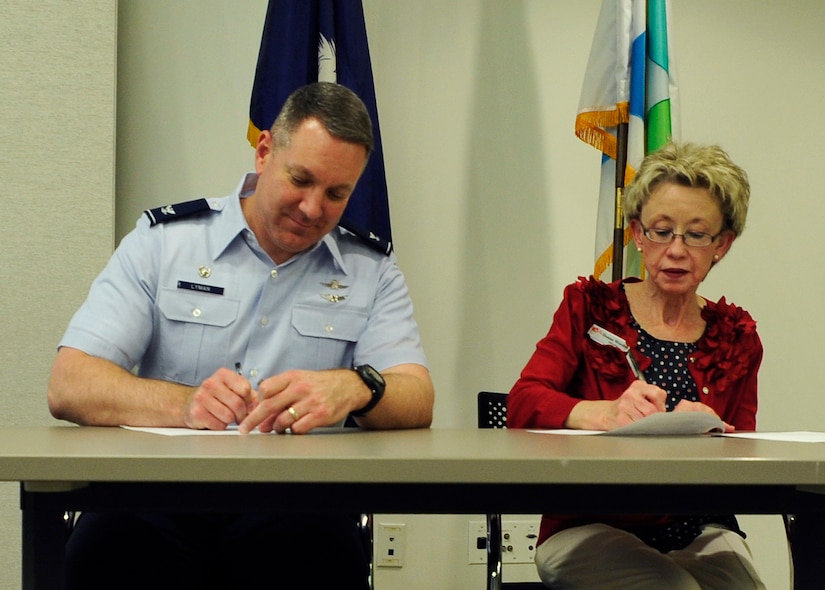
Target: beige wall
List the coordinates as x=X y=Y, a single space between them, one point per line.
x=57 y=139
x=493 y=198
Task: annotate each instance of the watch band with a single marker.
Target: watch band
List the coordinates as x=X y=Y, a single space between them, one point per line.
x=375 y=382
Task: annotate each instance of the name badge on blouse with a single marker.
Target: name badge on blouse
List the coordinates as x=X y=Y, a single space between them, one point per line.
x=607 y=338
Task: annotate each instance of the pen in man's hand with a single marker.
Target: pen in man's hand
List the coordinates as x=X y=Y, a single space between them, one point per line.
x=239 y=371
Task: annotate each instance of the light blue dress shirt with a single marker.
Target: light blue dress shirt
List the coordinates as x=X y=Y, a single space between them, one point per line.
x=180 y=299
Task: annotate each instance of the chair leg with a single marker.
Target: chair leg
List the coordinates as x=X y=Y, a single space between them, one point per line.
x=365 y=524
x=69 y=519
x=807 y=548
x=493 y=552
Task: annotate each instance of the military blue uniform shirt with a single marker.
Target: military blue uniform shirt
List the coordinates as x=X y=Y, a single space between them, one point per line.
x=183 y=298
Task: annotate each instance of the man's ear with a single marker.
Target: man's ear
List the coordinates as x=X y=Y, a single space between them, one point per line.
x=263 y=149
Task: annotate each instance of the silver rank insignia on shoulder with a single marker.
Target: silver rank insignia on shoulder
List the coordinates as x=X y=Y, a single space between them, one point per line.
x=333 y=298
x=334 y=284
x=204 y=272
x=177 y=211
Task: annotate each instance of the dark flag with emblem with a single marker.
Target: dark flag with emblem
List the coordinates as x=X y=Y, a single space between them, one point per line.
x=306 y=41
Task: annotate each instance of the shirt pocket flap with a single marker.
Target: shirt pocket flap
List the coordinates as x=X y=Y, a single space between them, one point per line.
x=198 y=308
x=324 y=322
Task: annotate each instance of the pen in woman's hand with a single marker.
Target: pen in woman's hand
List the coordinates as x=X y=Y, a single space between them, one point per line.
x=634 y=366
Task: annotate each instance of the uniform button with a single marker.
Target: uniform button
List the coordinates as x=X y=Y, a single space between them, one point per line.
x=705 y=390
x=273 y=273
x=196 y=312
x=264 y=321
x=328 y=328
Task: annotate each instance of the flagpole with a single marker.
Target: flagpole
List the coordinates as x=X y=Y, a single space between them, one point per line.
x=618 y=213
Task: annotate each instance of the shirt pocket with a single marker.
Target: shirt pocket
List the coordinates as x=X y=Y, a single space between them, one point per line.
x=194 y=333
x=331 y=333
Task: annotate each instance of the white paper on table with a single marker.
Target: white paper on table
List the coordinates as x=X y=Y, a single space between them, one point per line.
x=662 y=423
x=793 y=436
x=231 y=430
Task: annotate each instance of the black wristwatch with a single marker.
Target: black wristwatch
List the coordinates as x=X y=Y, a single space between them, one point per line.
x=375 y=382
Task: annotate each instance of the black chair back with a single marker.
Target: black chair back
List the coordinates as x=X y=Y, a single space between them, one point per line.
x=492 y=410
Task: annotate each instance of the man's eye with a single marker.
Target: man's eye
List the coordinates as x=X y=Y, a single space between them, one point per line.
x=299 y=181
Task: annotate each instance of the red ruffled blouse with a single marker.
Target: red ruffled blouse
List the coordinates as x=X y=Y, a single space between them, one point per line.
x=568 y=367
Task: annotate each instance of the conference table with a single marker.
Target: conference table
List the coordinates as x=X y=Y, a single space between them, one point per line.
x=431 y=471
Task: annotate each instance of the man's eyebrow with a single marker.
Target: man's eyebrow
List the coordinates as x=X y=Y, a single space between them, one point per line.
x=298 y=169
x=302 y=170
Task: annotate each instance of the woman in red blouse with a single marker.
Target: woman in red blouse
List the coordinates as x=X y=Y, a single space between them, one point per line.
x=685 y=206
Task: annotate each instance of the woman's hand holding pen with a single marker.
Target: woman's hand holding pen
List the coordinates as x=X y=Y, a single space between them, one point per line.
x=639 y=400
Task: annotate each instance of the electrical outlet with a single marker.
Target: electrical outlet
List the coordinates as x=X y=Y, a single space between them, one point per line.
x=477 y=542
x=389 y=545
x=518 y=541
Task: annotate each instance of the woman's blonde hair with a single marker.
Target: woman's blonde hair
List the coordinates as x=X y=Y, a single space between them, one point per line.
x=696 y=166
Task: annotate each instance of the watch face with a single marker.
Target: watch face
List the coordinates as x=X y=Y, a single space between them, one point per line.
x=372 y=378
x=373 y=374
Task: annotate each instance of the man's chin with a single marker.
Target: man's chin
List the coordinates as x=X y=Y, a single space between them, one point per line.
x=297 y=244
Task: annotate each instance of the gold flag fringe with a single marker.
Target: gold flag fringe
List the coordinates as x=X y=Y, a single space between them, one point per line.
x=592 y=126
x=252 y=134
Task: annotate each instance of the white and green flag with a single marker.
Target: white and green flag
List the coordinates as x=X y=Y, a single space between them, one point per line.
x=630 y=82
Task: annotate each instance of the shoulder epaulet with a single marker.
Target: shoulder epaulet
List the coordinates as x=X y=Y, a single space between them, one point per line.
x=176 y=211
x=369 y=238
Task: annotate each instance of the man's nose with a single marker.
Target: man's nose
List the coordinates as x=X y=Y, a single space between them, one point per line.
x=312 y=204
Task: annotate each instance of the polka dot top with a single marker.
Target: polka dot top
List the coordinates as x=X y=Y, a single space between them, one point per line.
x=669 y=366
x=669 y=370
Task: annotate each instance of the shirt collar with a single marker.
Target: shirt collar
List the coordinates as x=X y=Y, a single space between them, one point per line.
x=332 y=247
x=232 y=222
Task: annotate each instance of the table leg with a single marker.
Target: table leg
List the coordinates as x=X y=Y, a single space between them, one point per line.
x=44 y=548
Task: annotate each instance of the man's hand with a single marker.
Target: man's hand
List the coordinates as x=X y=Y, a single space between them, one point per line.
x=303 y=400
x=222 y=399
